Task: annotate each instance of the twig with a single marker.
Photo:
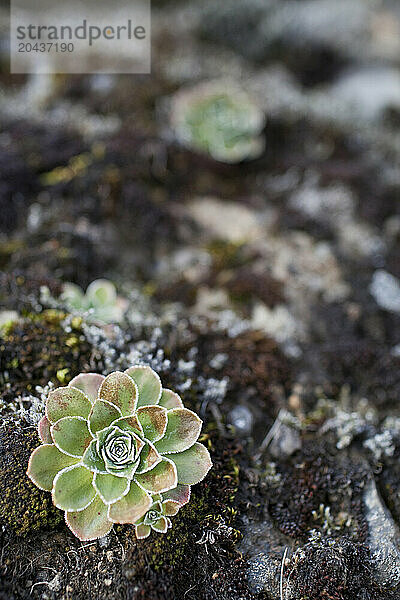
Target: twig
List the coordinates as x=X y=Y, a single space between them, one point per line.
x=271 y=433
x=281 y=578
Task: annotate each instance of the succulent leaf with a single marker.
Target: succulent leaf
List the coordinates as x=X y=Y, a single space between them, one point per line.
x=149 y=458
x=110 y=488
x=91 y=522
x=73 y=488
x=120 y=389
x=148 y=384
x=131 y=507
x=192 y=464
x=67 y=402
x=103 y=413
x=44 y=430
x=72 y=294
x=180 y=494
x=124 y=472
x=153 y=420
x=161 y=525
x=44 y=464
x=161 y=478
x=170 y=399
x=71 y=435
x=101 y=292
x=142 y=531
x=92 y=460
x=88 y=383
x=170 y=508
x=130 y=423
x=182 y=431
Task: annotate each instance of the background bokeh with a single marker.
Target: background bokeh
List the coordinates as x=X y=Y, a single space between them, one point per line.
x=272 y=285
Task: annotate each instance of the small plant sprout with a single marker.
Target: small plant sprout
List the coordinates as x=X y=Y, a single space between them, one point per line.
x=99 y=304
x=220 y=119
x=118 y=449
x=164 y=506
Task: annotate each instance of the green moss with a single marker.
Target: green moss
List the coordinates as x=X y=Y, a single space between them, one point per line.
x=33 y=352
x=226 y=255
x=38 y=350
x=212 y=504
x=7 y=250
x=23 y=507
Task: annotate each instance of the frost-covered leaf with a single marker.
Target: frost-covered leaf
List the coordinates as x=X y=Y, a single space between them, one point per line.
x=192 y=464
x=131 y=507
x=71 y=435
x=90 y=523
x=161 y=478
x=110 y=488
x=148 y=384
x=92 y=460
x=67 y=402
x=149 y=457
x=44 y=430
x=88 y=383
x=126 y=472
x=142 y=531
x=119 y=389
x=153 y=420
x=130 y=423
x=182 y=431
x=180 y=494
x=73 y=488
x=170 y=508
x=170 y=399
x=103 y=413
x=174 y=499
x=44 y=464
x=161 y=525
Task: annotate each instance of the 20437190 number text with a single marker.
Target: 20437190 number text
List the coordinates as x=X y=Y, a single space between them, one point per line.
x=46 y=47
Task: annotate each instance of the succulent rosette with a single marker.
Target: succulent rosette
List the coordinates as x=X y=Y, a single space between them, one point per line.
x=112 y=445
x=164 y=506
x=219 y=118
x=100 y=303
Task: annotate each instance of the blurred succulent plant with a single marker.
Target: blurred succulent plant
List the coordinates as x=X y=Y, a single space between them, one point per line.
x=100 y=303
x=111 y=446
x=220 y=119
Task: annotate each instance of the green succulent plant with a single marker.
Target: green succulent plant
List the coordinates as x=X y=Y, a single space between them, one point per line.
x=100 y=303
x=220 y=119
x=112 y=445
x=164 y=506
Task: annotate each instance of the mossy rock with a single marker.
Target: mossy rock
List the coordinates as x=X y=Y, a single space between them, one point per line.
x=23 y=507
x=38 y=350
x=212 y=504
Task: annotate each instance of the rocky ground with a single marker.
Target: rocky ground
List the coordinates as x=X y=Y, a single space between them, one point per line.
x=266 y=293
